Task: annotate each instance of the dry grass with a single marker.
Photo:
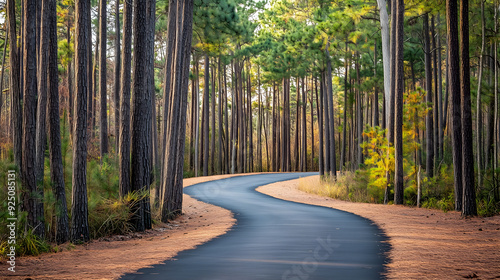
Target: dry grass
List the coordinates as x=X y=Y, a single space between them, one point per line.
x=347 y=187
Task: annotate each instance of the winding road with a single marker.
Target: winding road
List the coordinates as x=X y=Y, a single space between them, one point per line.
x=276 y=239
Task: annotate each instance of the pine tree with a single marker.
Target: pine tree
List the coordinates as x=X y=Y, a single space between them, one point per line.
x=55 y=155
x=79 y=205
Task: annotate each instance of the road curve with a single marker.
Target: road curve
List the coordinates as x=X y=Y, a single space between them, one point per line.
x=275 y=239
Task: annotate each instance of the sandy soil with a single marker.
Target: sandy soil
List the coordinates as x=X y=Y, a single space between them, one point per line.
x=111 y=257
x=426 y=244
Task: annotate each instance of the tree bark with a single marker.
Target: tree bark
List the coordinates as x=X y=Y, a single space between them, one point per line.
x=212 y=138
x=327 y=140
x=435 y=102
x=375 y=94
x=359 y=116
x=118 y=62
x=55 y=155
x=319 y=109
x=344 y=128
x=103 y=79
x=259 y=123
x=469 y=207
x=124 y=135
x=15 y=85
x=386 y=60
x=329 y=94
x=429 y=124
x=141 y=99
x=33 y=195
x=171 y=205
x=303 y=149
x=398 y=177
x=440 y=93
x=205 y=122
x=392 y=101
x=41 y=108
x=79 y=205
x=3 y=72
x=479 y=117
x=297 y=127
x=221 y=120
x=454 y=88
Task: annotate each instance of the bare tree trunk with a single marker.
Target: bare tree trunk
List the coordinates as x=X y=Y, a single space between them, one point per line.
x=303 y=149
x=319 y=109
x=359 y=116
x=297 y=128
x=249 y=119
x=226 y=125
x=79 y=206
x=33 y=194
x=274 y=132
x=55 y=155
x=429 y=125
x=469 y=207
x=212 y=138
x=384 y=23
x=440 y=93
x=171 y=204
x=435 y=102
x=259 y=123
x=205 y=122
x=399 y=83
x=497 y=123
x=478 y=101
x=15 y=83
x=41 y=108
x=221 y=119
x=103 y=79
x=197 y=123
x=327 y=141
x=141 y=100
x=118 y=62
x=375 y=94
x=124 y=136
x=329 y=95
x=454 y=87
x=344 y=129
x=392 y=101
x=90 y=75
x=2 y=75
x=266 y=131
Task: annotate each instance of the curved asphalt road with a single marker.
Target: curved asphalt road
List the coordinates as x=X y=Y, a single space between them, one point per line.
x=276 y=239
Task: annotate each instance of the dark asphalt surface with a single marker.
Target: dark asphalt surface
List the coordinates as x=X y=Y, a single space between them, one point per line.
x=276 y=239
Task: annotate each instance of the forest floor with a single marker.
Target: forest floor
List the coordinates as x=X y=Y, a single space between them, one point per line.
x=425 y=243
x=109 y=258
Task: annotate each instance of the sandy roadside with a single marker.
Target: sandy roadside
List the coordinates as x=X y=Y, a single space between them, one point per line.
x=426 y=244
x=111 y=257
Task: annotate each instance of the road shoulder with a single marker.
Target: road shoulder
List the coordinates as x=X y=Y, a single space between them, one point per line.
x=109 y=258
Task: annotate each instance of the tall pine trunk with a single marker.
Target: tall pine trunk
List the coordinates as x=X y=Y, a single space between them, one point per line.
x=429 y=125
x=118 y=63
x=141 y=100
x=398 y=176
x=33 y=194
x=124 y=135
x=469 y=207
x=55 y=154
x=103 y=79
x=454 y=88
x=15 y=85
x=79 y=205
